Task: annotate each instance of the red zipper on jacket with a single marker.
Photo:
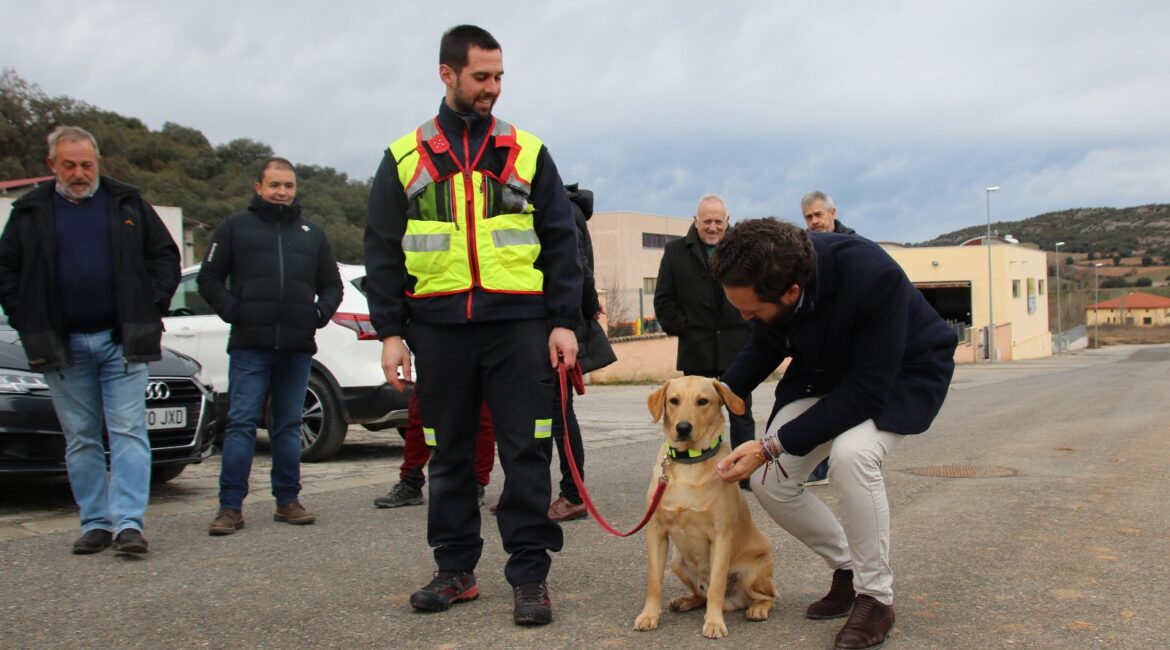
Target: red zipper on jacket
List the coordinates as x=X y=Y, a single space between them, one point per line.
x=469 y=209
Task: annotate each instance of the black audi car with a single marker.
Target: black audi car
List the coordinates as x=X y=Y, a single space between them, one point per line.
x=179 y=413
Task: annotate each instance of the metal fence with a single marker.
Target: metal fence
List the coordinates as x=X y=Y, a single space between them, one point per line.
x=1072 y=339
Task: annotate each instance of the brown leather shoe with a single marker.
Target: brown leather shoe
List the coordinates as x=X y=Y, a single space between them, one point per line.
x=564 y=510
x=226 y=522
x=838 y=601
x=294 y=513
x=867 y=627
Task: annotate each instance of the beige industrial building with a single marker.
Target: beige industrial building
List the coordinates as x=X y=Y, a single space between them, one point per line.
x=954 y=280
x=627 y=248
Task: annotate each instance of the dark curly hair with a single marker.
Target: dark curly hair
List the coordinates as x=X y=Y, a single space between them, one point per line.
x=767 y=255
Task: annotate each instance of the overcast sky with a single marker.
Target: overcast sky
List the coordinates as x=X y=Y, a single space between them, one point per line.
x=903 y=111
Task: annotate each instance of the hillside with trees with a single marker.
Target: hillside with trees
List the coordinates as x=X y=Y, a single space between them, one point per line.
x=175 y=165
x=1098 y=233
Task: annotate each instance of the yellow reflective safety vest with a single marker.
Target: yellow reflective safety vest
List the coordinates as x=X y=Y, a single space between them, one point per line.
x=469 y=227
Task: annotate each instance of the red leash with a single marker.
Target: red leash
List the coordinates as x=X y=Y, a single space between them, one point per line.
x=579 y=386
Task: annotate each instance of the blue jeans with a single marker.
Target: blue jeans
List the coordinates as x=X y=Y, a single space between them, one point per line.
x=253 y=375
x=99 y=386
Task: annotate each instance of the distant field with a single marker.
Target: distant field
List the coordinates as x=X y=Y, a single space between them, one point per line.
x=1125 y=335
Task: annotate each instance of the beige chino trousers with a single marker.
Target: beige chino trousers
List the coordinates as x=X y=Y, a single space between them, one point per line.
x=860 y=540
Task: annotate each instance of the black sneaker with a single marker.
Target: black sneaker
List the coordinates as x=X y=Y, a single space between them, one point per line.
x=531 y=604
x=93 y=541
x=130 y=542
x=444 y=590
x=400 y=495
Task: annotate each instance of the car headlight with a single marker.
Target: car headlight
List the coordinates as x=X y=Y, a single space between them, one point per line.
x=19 y=381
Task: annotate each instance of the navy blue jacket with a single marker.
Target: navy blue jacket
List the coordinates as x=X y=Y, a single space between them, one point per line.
x=864 y=338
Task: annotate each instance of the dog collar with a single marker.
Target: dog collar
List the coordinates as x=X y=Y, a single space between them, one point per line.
x=688 y=456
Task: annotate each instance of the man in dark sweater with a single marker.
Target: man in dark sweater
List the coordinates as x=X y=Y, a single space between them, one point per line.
x=871 y=362
x=271 y=274
x=87 y=269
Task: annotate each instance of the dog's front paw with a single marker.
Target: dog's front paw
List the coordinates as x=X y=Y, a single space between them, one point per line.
x=714 y=628
x=758 y=611
x=647 y=620
x=686 y=603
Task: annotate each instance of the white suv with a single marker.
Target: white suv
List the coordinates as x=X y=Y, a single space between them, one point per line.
x=346 y=385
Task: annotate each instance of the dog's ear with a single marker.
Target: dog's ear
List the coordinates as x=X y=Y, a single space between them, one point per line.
x=657 y=401
x=733 y=402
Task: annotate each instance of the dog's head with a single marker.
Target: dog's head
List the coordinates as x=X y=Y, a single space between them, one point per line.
x=691 y=409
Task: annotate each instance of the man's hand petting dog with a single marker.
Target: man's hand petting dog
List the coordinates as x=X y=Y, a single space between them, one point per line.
x=741 y=463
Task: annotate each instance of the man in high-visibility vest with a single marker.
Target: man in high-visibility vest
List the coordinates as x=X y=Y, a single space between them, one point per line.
x=471 y=255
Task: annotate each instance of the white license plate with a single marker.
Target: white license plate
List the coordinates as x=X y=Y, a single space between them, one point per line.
x=166 y=418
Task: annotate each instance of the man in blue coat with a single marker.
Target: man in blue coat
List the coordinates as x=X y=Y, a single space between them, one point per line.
x=871 y=362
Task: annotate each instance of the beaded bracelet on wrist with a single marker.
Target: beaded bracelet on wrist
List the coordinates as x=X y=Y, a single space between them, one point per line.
x=769 y=454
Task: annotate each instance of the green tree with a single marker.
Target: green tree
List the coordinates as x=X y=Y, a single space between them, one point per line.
x=244 y=151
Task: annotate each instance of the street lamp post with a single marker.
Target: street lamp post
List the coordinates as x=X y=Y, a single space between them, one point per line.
x=1059 y=320
x=1096 y=310
x=990 y=300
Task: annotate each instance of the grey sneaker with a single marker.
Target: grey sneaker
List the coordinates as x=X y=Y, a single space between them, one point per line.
x=401 y=495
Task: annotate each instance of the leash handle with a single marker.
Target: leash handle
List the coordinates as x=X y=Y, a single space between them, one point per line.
x=579 y=384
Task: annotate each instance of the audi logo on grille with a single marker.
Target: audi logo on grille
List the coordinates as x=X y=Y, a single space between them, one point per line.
x=157 y=390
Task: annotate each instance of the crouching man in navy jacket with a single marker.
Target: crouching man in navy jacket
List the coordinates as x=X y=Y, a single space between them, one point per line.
x=871 y=362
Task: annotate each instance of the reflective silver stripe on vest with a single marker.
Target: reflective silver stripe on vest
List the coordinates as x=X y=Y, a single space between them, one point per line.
x=427 y=131
x=503 y=128
x=426 y=243
x=420 y=183
x=514 y=237
x=500 y=127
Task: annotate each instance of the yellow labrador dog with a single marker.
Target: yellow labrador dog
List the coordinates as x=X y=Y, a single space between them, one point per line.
x=719 y=553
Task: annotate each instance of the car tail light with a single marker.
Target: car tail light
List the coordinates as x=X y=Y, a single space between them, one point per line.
x=359 y=323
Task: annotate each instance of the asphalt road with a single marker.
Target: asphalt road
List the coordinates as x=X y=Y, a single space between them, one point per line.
x=1057 y=539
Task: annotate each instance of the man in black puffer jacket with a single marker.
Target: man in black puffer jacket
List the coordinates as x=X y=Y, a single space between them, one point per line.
x=271 y=274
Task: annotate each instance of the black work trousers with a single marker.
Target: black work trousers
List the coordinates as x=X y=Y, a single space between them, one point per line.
x=505 y=363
